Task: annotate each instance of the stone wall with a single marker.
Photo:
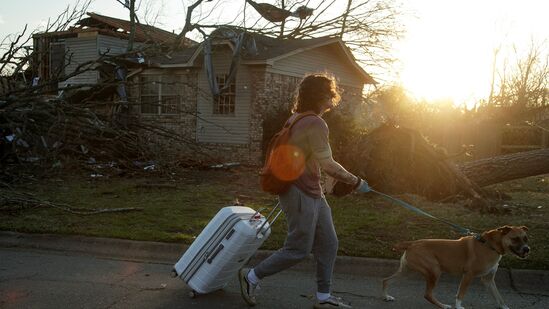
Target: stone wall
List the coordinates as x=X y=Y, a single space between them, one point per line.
x=273 y=94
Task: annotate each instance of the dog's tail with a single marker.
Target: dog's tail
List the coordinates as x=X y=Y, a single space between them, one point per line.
x=402 y=246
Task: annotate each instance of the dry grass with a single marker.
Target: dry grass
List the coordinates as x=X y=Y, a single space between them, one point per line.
x=178 y=209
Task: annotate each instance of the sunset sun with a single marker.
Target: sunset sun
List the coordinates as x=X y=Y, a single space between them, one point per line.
x=448 y=51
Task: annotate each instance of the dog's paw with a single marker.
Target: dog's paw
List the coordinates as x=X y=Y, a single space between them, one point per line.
x=388 y=298
x=459 y=307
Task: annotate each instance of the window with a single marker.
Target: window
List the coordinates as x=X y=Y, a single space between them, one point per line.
x=160 y=94
x=150 y=93
x=169 y=99
x=225 y=103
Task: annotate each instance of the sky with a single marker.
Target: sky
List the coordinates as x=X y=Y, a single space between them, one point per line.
x=447 y=52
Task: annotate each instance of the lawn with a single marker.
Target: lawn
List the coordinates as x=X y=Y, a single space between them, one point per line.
x=176 y=207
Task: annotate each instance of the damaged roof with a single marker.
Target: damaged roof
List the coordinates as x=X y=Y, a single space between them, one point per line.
x=119 y=28
x=269 y=49
x=143 y=33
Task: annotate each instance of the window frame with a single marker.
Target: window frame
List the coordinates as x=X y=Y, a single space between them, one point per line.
x=159 y=92
x=225 y=104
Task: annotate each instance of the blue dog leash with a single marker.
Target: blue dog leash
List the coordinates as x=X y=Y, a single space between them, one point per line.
x=402 y=203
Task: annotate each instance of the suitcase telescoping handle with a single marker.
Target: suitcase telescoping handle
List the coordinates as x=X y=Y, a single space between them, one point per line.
x=268 y=217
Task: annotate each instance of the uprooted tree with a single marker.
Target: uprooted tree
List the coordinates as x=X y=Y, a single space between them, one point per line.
x=400 y=160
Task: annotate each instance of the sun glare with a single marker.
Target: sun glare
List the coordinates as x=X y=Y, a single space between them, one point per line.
x=448 y=52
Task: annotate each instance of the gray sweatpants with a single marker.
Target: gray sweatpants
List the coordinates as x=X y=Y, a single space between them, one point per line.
x=310 y=228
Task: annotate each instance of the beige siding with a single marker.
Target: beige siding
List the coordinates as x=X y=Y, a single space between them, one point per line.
x=328 y=58
x=226 y=129
x=110 y=45
x=81 y=50
x=88 y=48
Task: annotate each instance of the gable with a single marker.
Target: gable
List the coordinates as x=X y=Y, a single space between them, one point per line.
x=329 y=58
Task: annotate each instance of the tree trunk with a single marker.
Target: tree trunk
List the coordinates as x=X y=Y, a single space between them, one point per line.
x=493 y=170
x=132 y=25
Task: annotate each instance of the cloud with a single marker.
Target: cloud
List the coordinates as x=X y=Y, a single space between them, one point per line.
x=2 y=20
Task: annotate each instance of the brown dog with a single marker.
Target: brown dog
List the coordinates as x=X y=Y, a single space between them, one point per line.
x=468 y=256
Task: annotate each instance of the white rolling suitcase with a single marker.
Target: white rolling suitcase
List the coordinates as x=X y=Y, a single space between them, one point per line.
x=222 y=248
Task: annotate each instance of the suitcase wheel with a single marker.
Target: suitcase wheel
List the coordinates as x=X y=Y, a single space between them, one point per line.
x=174 y=273
x=193 y=294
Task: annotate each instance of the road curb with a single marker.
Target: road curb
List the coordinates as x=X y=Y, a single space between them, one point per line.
x=104 y=247
x=523 y=280
x=167 y=253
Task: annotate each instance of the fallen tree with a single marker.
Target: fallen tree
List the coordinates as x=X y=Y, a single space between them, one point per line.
x=494 y=170
x=398 y=160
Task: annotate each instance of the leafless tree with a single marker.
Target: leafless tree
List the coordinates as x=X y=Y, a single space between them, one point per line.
x=367 y=27
x=521 y=81
x=16 y=49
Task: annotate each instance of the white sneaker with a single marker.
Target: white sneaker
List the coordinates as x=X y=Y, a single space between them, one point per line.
x=331 y=302
x=247 y=289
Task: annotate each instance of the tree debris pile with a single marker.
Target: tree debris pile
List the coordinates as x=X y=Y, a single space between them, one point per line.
x=42 y=131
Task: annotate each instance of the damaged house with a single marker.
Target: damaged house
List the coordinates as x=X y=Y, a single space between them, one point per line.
x=62 y=52
x=265 y=72
x=220 y=92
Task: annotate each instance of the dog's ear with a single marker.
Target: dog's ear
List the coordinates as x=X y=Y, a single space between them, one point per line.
x=524 y=228
x=504 y=229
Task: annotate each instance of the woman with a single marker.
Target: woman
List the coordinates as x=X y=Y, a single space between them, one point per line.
x=309 y=218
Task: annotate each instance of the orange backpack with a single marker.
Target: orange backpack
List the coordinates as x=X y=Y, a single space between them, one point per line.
x=284 y=162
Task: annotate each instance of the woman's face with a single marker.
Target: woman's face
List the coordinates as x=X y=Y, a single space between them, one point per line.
x=327 y=103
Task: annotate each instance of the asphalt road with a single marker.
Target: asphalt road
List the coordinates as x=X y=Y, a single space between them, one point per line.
x=34 y=278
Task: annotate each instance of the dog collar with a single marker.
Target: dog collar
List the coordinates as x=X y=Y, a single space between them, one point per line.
x=485 y=242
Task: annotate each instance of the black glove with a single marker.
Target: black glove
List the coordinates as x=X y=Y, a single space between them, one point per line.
x=341 y=189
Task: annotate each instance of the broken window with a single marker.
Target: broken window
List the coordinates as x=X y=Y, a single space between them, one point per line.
x=57 y=60
x=225 y=102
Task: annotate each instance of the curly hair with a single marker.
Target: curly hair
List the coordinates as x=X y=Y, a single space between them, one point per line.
x=313 y=90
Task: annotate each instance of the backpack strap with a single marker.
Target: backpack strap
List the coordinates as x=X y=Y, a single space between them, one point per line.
x=290 y=124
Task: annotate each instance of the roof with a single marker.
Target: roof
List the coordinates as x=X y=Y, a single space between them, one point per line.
x=113 y=26
x=181 y=56
x=269 y=49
